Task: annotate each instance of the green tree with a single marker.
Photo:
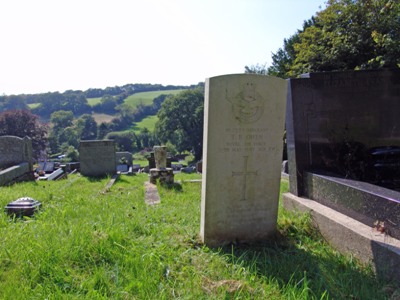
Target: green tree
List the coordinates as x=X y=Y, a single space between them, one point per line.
x=13 y=102
x=87 y=127
x=61 y=119
x=102 y=130
x=256 y=69
x=180 y=121
x=107 y=104
x=23 y=123
x=72 y=154
x=70 y=136
x=125 y=141
x=49 y=103
x=76 y=102
x=145 y=138
x=346 y=35
x=283 y=59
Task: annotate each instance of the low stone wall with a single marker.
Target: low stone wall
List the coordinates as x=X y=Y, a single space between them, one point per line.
x=15 y=173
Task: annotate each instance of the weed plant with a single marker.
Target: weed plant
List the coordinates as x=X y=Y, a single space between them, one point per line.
x=88 y=243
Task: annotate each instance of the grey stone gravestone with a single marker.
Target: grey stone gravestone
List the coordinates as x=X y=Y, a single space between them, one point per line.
x=97 y=158
x=15 y=150
x=48 y=167
x=122 y=168
x=15 y=159
x=242 y=154
x=161 y=172
x=124 y=156
x=160 y=156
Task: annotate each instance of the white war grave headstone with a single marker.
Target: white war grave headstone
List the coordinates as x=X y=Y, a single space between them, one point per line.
x=244 y=119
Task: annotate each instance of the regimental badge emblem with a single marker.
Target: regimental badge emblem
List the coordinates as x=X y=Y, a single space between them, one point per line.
x=248 y=105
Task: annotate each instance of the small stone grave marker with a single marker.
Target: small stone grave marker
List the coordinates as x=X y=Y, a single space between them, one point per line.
x=24 y=206
x=48 y=167
x=161 y=172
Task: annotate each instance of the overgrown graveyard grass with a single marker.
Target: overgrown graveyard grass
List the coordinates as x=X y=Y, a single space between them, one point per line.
x=88 y=243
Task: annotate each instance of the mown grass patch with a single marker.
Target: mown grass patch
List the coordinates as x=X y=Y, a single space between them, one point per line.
x=33 y=105
x=146 y=98
x=93 y=101
x=87 y=243
x=148 y=122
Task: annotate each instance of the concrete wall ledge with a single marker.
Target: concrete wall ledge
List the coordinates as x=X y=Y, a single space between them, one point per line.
x=349 y=236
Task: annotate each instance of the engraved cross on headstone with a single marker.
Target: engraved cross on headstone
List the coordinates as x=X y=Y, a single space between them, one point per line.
x=244 y=173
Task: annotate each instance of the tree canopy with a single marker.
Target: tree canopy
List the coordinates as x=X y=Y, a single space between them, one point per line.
x=346 y=35
x=180 y=121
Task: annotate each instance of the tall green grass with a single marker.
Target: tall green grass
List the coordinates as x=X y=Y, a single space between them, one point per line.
x=86 y=243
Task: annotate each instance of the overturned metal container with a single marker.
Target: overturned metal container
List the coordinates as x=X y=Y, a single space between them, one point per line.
x=24 y=206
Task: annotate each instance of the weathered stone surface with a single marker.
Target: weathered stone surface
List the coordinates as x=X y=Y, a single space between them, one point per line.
x=351 y=237
x=362 y=201
x=97 y=158
x=160 y=155
x=165 y=175
x=20 y=172
x=151 y=196
x=242 y=155
x=15 y=150
x=124 y=158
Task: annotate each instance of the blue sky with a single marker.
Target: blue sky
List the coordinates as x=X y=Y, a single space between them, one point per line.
x=50 y=45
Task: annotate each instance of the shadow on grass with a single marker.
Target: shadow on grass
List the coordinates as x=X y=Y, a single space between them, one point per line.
x=122 y=180
x=321 y=274
x=177 y=187
x=96 y=178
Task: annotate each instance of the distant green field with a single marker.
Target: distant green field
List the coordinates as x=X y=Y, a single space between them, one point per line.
x=33 y=105
x=146 y=98
x=93 y=101
x=148 y=123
